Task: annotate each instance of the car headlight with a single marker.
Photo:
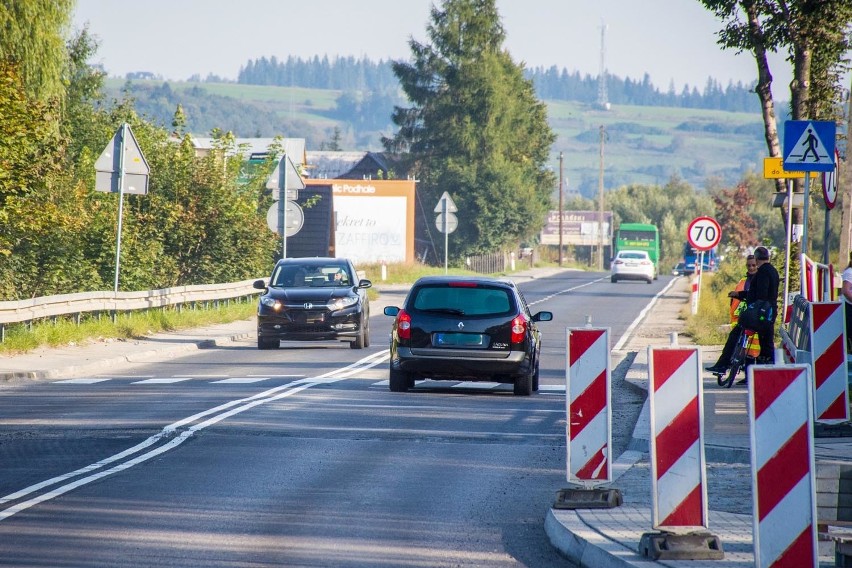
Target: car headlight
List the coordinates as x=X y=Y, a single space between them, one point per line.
x=270 y=303
x=340 y=303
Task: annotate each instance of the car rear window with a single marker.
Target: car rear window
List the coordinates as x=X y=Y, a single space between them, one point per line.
x=632 y=255
x=471 y=301
x=311 y=275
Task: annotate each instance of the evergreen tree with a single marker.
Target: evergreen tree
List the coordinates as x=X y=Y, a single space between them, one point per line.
x=475 y=130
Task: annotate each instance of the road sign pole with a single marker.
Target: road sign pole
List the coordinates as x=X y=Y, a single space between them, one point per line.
x=789 y=244
x=805 y=215
x=282 y=201
x=120 y=203
x=446 y=234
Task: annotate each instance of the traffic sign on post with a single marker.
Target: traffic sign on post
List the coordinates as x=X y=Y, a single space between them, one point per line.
x=829 y=183
x=704 y=233
x=809 y=145
x=451 y=205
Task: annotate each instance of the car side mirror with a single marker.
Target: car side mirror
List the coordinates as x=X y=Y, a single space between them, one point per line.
x=391 y=311
x=259 y=285
x=364 y=283
x=543 y=316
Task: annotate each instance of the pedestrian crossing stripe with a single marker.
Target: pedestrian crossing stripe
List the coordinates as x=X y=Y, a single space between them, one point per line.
x=481 y=385
x=809 y=146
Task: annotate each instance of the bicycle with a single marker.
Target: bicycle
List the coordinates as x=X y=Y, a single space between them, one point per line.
x=740 y=359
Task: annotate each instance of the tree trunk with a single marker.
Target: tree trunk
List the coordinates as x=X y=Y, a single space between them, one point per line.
x=764 y=87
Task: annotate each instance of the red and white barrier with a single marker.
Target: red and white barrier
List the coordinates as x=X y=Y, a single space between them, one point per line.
x=587 y=398
x=828 y=352
x=782 y=466
x=817 y=280
x=678 y=474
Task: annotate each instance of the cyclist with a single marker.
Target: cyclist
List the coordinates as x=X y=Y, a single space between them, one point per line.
x=722 y=363
x=764 y=286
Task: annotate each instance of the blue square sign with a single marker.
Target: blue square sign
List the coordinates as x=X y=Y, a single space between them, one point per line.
x=809 y=146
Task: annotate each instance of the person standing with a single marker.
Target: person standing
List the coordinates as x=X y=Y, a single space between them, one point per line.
x=846 y=290
x=764 y=286
x=722 y=363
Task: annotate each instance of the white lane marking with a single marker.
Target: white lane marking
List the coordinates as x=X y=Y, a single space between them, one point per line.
x=203 y=376
x=240 y=381
x=79 y=381
x=131 y=376
x=278 y=376
x=620 y=345
x=428 y=383
x=162 y=381
x=476 y=384
x=170 y=430
x=566 y=291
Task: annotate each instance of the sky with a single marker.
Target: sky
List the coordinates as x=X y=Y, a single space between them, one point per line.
x=670 y=40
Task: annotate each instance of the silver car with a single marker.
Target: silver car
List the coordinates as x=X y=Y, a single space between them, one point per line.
x=633 y=265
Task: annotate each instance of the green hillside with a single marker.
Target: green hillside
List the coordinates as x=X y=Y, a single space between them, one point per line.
x=646 y=145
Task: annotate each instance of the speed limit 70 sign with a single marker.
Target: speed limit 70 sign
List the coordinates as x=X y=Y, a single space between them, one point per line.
x=704 y=233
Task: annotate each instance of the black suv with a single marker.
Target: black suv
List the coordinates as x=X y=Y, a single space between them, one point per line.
x=465 y=328
x=310 y=299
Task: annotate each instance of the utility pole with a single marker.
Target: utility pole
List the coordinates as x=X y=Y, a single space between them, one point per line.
x=560 y=209
x=601 y=205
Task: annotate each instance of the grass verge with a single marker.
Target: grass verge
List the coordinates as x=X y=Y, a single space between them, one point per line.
x=64 y=331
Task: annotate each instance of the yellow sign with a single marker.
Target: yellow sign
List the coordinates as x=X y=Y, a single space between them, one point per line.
x=773 y=168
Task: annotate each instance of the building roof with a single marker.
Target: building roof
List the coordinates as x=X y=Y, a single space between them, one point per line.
x=293 y=147
x=346 y=165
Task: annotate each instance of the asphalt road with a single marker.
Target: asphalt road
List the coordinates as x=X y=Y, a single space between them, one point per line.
x=299 y=456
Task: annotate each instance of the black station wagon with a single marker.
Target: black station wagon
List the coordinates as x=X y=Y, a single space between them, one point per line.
x=465 y=328
x=311 y=299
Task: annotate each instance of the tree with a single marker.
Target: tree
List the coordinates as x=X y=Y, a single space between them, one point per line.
x=732 y=212
x=32 y=34
x=475 y=129
x=814 y=33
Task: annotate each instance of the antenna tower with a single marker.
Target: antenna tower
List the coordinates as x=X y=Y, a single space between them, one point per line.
x=603 y=98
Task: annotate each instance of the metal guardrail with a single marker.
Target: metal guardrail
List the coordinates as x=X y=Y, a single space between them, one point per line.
x=24 y=311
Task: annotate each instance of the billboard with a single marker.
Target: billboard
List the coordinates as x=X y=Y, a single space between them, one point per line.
x=578 y=228
x=373 y=219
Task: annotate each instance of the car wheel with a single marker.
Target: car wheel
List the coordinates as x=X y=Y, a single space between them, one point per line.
x=523 y=385
x=360 y=341
x=650 y=280
x=613 y=279
x=535 y=378
x=367 y=330
x=400 y=381
x=268 y=343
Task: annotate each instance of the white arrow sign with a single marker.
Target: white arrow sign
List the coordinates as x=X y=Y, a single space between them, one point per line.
x=451 y=206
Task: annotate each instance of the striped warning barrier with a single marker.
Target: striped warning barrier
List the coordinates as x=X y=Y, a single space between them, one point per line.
x=587 y=396
x=828 y=353
x=782 y=466
x=678 y=475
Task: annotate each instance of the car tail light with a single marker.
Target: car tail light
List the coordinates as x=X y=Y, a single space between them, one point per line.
x=618 y=261
x=463 y=284
x=519 y=329
x=403 y=325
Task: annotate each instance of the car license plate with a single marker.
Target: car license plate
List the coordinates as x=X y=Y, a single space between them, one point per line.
x=459 y=340
x=314 y=318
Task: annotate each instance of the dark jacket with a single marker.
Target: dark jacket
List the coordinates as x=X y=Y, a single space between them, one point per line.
x=764 y=286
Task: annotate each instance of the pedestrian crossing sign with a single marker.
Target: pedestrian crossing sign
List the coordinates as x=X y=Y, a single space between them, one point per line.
x=809 y=146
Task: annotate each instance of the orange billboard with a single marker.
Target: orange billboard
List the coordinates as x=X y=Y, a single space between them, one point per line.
x=373 y=219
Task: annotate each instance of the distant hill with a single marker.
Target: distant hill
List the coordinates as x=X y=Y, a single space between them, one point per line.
x=642 y=144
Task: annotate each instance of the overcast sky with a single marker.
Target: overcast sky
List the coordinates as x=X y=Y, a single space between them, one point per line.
x=671 y=40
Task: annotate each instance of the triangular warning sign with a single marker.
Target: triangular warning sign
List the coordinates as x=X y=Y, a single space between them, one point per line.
x=809 y=149
x=110 y=158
